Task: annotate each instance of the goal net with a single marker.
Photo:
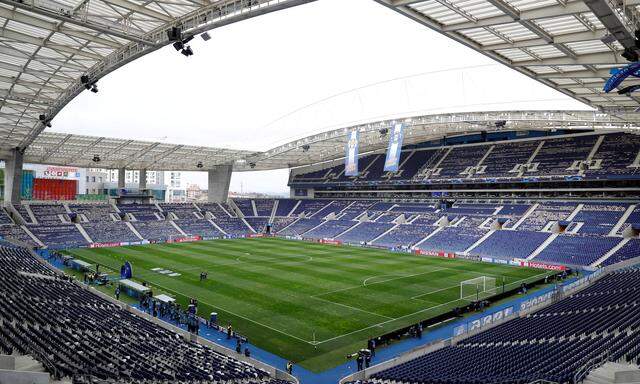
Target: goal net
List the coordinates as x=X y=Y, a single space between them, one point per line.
x=478 y=288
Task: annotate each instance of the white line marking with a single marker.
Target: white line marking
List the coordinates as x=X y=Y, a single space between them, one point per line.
x=379 y=325
x=238 y=315
x=350 y=307
x=380 y=282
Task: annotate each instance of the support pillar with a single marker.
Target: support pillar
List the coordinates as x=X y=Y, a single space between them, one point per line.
x=121 y=178
x=143 y=179
x=219 y=180
x=13 y=177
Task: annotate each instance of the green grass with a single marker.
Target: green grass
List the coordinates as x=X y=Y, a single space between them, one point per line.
x=307 y=302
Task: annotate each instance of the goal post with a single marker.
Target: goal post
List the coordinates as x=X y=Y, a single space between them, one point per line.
x=478 y=288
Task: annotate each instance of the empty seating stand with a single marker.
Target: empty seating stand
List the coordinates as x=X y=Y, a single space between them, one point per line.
x=555 y=158
x=600 y=322
x=78 y=335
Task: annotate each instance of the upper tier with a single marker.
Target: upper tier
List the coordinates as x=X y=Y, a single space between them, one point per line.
x=613 y=156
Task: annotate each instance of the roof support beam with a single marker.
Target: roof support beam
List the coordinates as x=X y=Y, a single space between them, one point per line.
x=561 y=39
x=133 y=7
x=55 y=149
x=556 y=10
x=613 y=21
x=44 y=24
x=23 y=38
x=602 y=58
x=83 y=150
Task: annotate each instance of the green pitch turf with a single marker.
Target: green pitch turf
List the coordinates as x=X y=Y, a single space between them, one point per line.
x=307 y=302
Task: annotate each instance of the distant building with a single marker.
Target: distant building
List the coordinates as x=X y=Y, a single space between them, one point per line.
x=175 y=192
x=195 y=193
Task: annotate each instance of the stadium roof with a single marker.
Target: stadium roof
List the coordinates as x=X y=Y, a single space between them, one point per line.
x=569 y=45
x=79 y=151
x=418 y=129
x=46 y=46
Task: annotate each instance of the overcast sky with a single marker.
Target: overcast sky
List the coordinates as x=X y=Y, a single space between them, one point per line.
x=282 y=76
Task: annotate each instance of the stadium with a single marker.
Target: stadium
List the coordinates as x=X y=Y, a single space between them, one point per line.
x=474 y=246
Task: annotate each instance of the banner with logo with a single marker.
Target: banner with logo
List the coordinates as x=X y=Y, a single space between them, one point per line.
x=351 y=159
x=395 y=148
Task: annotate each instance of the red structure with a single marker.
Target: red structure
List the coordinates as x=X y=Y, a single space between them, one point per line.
x=53 y=189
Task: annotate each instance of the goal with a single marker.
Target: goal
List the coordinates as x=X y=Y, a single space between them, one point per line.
x=478 y=288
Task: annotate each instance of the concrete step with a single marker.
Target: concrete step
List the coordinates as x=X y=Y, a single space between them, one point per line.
x=614 y=373
x=28 y=364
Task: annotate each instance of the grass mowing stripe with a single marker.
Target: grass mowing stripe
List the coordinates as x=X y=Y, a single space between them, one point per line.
x=264 y=287
x=379 y=282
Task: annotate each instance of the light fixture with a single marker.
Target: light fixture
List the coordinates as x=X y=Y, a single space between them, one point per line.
x=306 y=147
x=187 y=51
x=199 y=165
x=205 y=36
x=44 y=120
x=96 y=158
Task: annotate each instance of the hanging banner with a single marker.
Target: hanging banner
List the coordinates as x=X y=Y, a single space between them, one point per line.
x=351 y=159
x=395 y=148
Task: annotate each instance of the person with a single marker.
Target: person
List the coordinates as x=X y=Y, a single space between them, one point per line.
x=367 y=360
x=360 y=361
x=85 y=278
x=238 y=347
x=290 y=367
x=371 y=345
x=247 y=353
x=419 y=331
x=229 y=331
x=118 y=293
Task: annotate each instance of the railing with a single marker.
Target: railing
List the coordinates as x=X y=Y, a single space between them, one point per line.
x=592 y=364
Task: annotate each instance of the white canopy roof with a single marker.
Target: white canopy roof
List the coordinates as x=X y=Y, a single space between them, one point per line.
x=47 y=45
x=569 y=45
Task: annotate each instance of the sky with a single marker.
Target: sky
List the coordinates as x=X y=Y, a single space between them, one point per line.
x=282 y=76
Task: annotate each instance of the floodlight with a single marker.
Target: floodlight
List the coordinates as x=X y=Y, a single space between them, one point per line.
x=96 y=159
x=94 y=88
x=187 y=51
x=384 y=131
x=205 y=36
x=199 y=165
x=306 y=147
x=178 y=45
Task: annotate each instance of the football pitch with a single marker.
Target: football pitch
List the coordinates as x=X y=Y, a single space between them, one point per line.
x=308 y=302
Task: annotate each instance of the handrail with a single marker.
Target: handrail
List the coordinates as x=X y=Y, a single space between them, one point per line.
x=590 y=365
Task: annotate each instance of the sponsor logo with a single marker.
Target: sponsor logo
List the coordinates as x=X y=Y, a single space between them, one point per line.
x=550 y=267
x=187 y=239
x=330 y=242
x=105 y=245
